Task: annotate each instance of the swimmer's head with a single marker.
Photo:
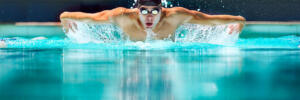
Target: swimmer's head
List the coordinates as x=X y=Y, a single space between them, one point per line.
x=148 y=3
x=150 y=12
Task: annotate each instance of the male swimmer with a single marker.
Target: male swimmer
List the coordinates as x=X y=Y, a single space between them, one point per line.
x=149 y=15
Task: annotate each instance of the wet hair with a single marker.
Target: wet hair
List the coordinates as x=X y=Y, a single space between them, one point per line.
x=148 y=3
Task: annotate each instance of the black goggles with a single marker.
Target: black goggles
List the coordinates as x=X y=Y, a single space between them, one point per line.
x=144 y=11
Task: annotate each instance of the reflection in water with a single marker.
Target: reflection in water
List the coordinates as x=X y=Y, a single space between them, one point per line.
x=176 y=74
x=151 y=81
x=135 y=75
x=30 y=73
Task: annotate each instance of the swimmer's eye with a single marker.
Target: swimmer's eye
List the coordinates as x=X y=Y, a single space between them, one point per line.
x=144 y=12
x=154 y=12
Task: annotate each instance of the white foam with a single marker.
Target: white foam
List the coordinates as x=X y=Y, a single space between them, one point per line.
x=96 y=33
x=109 y=33
x=206 y=34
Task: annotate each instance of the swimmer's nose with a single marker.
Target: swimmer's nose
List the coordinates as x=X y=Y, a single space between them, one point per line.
x=149 y=18
x=149 y=15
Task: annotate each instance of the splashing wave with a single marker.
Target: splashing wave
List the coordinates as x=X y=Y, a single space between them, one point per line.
x=109 y=33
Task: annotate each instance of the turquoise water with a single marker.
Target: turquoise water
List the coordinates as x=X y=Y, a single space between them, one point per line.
x=56 y=68
x=289 y=42
x=199 y=63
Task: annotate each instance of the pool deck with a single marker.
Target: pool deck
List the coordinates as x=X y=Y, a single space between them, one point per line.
x=273 y=22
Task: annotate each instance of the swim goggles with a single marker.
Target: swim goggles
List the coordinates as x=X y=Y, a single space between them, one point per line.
x=145 y=11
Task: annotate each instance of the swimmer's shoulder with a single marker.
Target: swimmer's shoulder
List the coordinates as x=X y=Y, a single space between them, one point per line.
x=115 y=13
x=175 y=9
x=120 y=11
x=180 y=11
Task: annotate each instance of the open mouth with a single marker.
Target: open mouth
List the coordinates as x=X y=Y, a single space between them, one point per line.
x=149 y=24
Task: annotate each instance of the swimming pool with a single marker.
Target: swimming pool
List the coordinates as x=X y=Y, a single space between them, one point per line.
x=256 y=67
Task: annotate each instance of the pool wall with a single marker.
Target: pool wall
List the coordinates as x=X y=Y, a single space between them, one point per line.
x=270 y=29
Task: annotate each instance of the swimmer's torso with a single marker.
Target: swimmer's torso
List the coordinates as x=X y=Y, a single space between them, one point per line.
x=130 y=24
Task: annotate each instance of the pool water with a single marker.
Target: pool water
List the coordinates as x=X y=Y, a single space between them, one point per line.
x=57 y=68
x=257 y=68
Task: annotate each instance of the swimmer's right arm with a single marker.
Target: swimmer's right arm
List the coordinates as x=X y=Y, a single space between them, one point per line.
x=101 y=17
x=68 y=19
x=106 y=16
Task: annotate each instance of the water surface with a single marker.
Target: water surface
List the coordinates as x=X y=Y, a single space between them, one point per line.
x=55 y=68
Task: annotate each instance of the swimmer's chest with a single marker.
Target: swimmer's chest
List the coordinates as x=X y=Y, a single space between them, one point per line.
x=132 y=28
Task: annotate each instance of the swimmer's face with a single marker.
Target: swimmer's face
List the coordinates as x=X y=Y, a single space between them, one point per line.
x=150 y=15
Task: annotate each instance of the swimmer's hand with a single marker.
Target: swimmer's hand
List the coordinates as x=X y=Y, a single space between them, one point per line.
x=68 y=25
x=236 y=27
x=68 y=20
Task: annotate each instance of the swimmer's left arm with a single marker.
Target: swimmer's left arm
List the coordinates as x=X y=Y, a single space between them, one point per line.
x=195 y=17
x=201 y=18
x=213 y=20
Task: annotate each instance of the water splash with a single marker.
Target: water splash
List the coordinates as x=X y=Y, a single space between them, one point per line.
x=134 y=4
x=150 y=35
x=109 y=33
x=206 y=34
x=96 y=33
x=165 y=3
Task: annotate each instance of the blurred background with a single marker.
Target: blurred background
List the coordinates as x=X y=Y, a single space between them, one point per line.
x=49 y=10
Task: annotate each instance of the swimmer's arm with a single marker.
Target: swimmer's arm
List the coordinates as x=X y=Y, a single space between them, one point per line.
x=195 y=17
x=101 y=17
x=201 y=18
x=106 y=16
x=69 y=19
